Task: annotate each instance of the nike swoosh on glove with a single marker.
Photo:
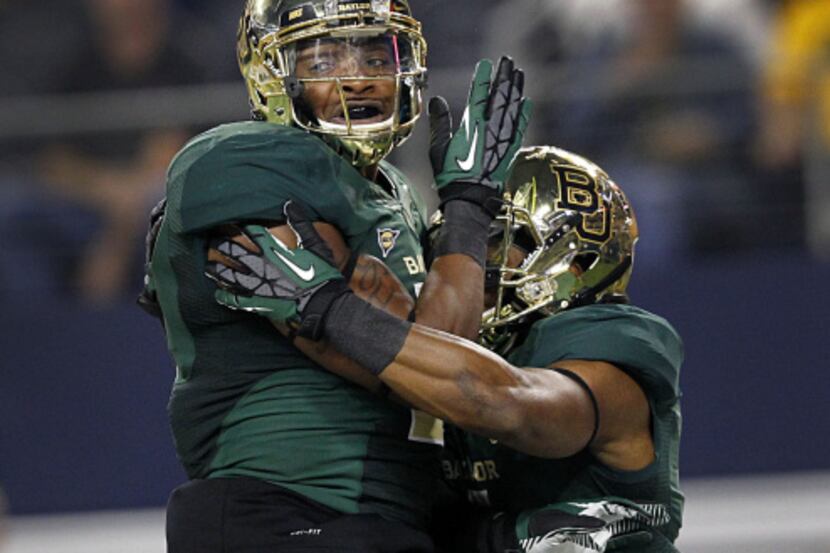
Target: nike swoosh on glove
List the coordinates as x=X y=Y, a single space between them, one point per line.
x=473 y=162
x=293 y=287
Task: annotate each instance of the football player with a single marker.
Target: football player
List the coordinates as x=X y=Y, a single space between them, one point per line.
x=282 y=455
x=570 y=421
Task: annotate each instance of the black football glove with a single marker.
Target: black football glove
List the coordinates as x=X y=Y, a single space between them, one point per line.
x=472 y=163
x=293 y=287
x=148 y=299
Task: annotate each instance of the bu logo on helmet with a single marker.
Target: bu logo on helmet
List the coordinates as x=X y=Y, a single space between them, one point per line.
x=579 y=191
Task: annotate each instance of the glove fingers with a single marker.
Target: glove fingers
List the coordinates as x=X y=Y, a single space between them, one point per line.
x=490 y=133
x=501 y=85
x=509 y=128
x=246 y=272
x=506 y=101
x=506 y=92
x=221 y=274
x=480 y=90
x=233 y=251
x=525 y=114
x=518 y=84
x=265 y=283
x=259 y=236
x=238 y=282
x=505 y=127
x=440 y=132
x=520 y=126
x=308 y=237
x=226 y=298
x=519 y=117
x=285 y=312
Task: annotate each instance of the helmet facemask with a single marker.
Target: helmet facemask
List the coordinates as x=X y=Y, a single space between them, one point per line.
x=350 y=74
x=565 y=237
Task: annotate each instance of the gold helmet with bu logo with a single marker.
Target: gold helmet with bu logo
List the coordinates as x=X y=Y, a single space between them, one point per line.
x=288 y=47
x=564 y=238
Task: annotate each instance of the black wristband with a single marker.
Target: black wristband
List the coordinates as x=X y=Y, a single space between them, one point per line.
x=316 y=308
x=364 y=334
x=465 y=231
x=584 y=385
x=481 y=195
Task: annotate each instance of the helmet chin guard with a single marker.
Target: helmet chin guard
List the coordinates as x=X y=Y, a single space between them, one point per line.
x=565 y=237
x=351 y=72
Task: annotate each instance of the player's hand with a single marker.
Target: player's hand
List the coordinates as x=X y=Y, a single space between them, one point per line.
x=480 y=151
x=294 y=287
x=148 y=299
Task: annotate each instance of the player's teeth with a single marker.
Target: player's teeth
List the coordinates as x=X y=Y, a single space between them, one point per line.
x=362 y=112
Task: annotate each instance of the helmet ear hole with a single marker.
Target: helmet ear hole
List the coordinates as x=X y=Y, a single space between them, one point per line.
x=585 y=261
x=524 y=240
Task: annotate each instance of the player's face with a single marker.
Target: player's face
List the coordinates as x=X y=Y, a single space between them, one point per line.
x=365 y=69
x=515 y=257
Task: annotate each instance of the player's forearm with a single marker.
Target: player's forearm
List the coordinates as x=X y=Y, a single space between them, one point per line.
x=457 y=381
x=537 y=411
x=453 y=296
x=452 y=299
x=447 y=376
x=442 y=306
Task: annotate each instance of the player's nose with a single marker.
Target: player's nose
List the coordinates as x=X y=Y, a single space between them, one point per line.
x=357 y=86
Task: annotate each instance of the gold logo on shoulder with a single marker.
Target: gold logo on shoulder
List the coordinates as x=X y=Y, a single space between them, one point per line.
x=387 y=239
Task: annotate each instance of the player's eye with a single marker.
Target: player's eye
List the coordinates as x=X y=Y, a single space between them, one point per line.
x=378 y=61
x=378 y=64
x=321 y=67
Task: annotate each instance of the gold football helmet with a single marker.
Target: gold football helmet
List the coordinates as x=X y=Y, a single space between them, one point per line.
x=287 y=47
x=565 y=237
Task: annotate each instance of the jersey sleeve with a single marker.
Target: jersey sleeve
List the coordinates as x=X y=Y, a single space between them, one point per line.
x=247 y=172
x=641 y=343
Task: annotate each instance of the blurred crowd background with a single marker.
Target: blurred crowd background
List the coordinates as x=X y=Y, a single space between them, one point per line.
x=713 y=116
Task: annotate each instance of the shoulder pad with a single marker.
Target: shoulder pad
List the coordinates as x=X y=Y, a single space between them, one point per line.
x=247 y=171
x=643 y=344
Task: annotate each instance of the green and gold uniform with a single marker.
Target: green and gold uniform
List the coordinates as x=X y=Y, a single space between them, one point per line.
x=648 y=349
x=245 y=402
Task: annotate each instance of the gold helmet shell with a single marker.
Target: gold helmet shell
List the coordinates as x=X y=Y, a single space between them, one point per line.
x=270 y=32
x=575 y=231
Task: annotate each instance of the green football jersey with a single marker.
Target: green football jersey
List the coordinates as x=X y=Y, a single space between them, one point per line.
x=647 y=348
x=246 y=402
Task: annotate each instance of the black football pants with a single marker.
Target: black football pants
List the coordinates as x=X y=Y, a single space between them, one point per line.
x=239 y=515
